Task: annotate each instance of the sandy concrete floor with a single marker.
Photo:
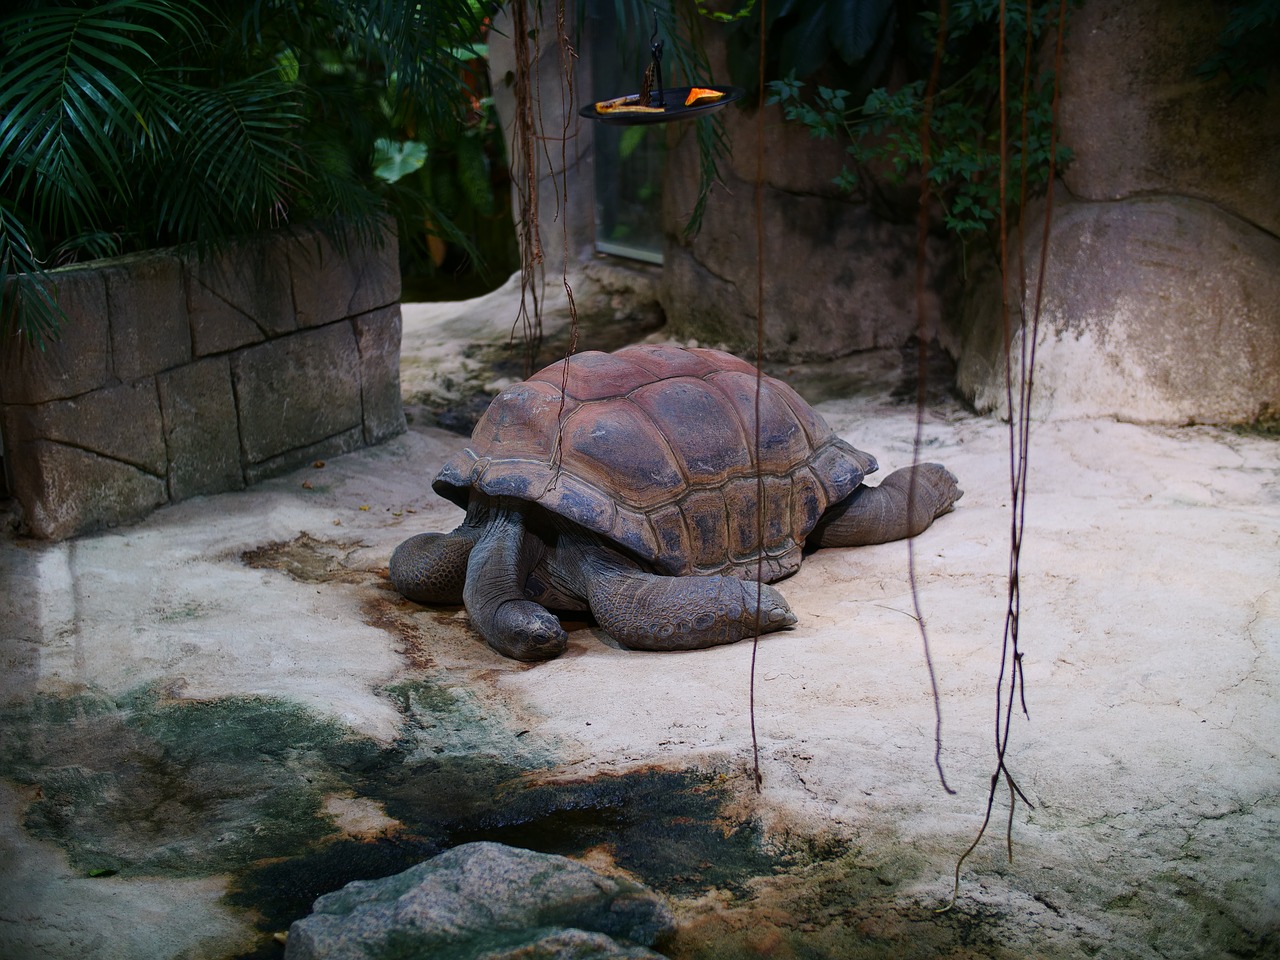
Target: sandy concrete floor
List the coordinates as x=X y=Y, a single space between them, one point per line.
x=1150 y=627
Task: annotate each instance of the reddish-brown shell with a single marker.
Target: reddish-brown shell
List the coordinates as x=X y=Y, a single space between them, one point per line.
x=656 y=451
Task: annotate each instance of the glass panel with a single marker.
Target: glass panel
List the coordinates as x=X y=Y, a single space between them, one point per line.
x=628 y=160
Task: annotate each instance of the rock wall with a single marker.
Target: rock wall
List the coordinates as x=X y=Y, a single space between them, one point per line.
x=1162 y=289
x=563 y=158
x=177 y=376
x=839 y=274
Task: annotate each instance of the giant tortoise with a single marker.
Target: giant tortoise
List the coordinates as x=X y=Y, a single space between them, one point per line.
x=628 y=484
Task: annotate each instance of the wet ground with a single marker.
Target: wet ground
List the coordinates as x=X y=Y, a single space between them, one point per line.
x=212 y=717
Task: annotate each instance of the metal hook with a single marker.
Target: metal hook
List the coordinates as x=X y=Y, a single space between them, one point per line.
x=655 y=48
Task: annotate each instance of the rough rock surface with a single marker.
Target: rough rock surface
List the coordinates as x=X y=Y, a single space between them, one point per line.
x=484 y=900
x=839 y=275
x=1150 y=627
x=1141 y=120
x=1162 y=292
x=1157 y=310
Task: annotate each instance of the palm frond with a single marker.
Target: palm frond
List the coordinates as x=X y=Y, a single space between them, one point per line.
x=62 y=91
x=28 y=299
x=223 y=160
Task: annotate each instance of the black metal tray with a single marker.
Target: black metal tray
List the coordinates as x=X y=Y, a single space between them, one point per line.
x=674 y=109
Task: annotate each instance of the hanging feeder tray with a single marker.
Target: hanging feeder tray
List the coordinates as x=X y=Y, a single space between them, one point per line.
x=663 y=107
x=657 y=104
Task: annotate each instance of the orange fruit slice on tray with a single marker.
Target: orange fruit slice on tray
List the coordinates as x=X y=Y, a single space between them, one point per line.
x=629 y=104
x=701 y=93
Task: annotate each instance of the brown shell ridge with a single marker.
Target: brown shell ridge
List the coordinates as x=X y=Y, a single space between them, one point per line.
x=627 y=525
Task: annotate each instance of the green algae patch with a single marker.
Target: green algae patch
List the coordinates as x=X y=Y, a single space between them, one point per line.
x=443 y=719
x=143 y=786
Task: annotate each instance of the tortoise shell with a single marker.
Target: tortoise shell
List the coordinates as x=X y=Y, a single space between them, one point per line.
x=654 y=448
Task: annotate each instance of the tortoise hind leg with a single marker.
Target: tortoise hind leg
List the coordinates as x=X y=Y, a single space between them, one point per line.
x=646 y=611
x=890 y=511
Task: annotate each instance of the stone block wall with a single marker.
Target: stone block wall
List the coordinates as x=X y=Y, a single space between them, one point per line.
x=177 y=376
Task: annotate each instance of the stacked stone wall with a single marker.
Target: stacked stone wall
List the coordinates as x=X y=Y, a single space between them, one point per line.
x=177 y=376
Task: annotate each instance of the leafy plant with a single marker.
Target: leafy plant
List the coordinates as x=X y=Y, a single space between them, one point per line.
x=804 y=37
x=882 y=130
x=130 y=124
x=1247 y=46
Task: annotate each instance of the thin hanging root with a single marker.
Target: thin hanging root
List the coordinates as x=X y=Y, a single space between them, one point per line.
x=567 y=98
x=759 y=198
x=1015 y=793
x=524 y=155
x=922 y=240
x=1011 y=662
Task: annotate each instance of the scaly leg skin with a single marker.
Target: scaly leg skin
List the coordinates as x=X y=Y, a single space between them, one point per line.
x=889 y=511
x=500 y=563
x=432 y=567
x=645 y=611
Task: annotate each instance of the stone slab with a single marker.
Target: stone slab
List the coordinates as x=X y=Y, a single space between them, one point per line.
x=118 y=423
x=147 y=305
x=331 y=446
x=331 y=282
x=200 y=429
x=378 y=339
x=239 y=295
x=296 y=391
x=78 y=361
x=65 y=491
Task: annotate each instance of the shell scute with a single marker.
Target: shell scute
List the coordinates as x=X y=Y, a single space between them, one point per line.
x=787 y=437
x=672 y=533
x=700 y=426
x=743 y=501
x=708 y=521
x=594 y=375
x=614 y=445
x=808 y=499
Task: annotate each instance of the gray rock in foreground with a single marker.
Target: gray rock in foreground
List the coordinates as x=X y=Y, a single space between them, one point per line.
x=484 y=901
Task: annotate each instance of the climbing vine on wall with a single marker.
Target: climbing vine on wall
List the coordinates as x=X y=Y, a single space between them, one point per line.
x=882 y=131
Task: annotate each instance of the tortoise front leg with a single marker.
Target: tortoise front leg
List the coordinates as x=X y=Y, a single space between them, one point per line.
x=497 y=569
x=890 y=511
x=432 y=567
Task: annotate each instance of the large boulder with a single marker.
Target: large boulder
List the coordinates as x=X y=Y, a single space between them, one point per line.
x=485 y=901
x=1161 y=300
x=1159 y=310
x=838 y=277
x=839 y=270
